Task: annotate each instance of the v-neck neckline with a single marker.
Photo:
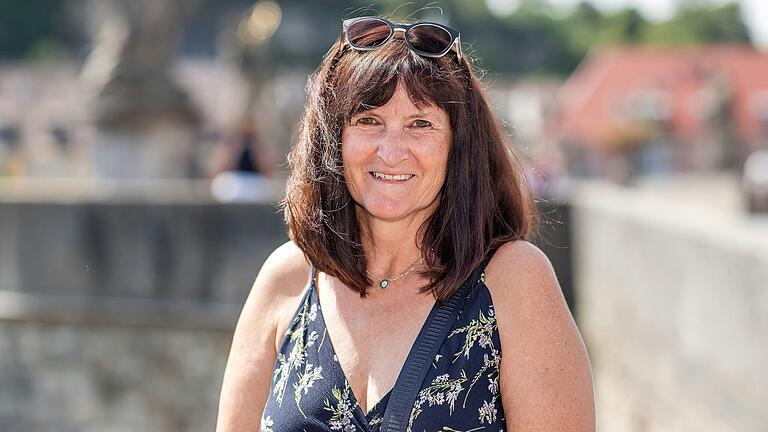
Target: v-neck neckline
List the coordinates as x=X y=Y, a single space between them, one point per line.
x=377 y=405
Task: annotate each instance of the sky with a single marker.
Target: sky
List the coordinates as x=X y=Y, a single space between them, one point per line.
x=755 y=12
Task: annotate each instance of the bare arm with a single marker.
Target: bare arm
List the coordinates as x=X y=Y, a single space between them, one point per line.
x=248 y=374
x=546 y=378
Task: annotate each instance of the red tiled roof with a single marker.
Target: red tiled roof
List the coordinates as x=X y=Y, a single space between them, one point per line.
x=589 y=105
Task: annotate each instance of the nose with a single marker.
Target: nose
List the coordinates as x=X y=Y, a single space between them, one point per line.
x=393 y=148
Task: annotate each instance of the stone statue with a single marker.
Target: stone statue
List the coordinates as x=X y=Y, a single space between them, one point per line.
x=146 y=124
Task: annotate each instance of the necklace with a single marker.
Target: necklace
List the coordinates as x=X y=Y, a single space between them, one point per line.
x=383 y=283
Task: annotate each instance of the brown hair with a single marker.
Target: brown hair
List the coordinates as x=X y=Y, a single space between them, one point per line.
x=484 y=201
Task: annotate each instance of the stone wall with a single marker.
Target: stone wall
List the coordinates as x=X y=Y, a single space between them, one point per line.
x=117 y=309
x=89 y=377
x=161 y=240
x=117 y=305
x=673 y=307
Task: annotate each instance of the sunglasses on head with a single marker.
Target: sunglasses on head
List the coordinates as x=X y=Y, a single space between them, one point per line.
x=426 y=39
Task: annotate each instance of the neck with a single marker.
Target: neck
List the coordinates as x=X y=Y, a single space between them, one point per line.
x=390 y=247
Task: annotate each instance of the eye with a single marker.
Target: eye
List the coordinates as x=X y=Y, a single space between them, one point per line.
x=422 y=123
x=366 y=121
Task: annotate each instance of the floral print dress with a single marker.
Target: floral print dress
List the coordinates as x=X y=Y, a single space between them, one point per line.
x=460 y=393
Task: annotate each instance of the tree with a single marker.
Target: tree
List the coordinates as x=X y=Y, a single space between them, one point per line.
x=625 y=27
x=694 y=23
x=25 y=25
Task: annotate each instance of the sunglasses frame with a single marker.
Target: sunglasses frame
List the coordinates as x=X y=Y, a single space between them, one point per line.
x=405 y=28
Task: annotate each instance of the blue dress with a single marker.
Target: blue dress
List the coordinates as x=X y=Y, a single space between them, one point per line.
x=460 y=393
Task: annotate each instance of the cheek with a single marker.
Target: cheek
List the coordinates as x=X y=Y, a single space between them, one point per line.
x=354 y=148
x=348 y=156
x=352 y=159
x=440 y=158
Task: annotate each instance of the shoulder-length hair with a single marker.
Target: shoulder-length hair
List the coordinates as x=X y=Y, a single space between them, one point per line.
x=485 y=200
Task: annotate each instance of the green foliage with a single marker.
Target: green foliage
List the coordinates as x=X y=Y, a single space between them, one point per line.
x=696 y=22
x=694 y=25
x=24 y=25
x=625 y=27
x=535 y=39
x=580 y=31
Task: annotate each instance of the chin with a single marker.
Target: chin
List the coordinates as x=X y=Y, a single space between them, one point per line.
x=381 y=210
x=387 y=215
x=392 y=213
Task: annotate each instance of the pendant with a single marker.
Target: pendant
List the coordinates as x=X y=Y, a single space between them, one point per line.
x=384 y=283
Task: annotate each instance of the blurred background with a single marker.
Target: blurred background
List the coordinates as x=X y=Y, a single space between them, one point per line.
x=142 y=153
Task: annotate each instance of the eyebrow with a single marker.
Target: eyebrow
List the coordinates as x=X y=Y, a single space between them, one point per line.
x=420 y=113
x=430 y=114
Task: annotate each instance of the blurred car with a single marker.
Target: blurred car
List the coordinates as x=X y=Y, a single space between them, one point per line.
x=755 y=181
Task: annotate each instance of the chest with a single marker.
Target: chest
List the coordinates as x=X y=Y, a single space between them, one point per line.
x=311 y=391
x=372 y=341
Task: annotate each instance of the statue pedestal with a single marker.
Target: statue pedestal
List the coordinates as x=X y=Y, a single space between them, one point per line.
x=163 y=150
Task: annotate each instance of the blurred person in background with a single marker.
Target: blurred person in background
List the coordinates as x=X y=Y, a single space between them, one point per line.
x=408 y=297
x=243 y=165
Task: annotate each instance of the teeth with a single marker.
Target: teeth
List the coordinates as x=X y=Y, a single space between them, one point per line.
x=391 y=177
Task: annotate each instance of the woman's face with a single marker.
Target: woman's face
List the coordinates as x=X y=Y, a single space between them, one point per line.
x=395 y=158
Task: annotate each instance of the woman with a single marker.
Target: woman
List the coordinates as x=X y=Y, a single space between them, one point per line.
x=403 y=201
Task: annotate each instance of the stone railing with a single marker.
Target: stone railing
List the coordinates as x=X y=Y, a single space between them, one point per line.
x=153 y=240
x=118 y=301
x=673 y=307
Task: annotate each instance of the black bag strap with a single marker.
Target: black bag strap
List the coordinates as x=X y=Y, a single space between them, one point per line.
x=426 y=346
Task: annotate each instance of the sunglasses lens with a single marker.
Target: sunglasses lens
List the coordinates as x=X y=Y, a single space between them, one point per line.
x=368 y=33
x=429 y=39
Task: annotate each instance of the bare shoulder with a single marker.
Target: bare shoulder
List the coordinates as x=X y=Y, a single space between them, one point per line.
x=520 y=271
x=524 y=289
x=546 y=377
x=285 y=272
x=281 y=283
x=247 y=377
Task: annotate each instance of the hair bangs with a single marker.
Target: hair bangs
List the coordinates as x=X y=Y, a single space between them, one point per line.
x=372 y=79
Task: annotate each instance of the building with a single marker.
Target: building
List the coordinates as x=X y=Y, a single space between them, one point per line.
x=638 y=111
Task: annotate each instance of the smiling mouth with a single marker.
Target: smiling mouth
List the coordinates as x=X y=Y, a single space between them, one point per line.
x=390 y=177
